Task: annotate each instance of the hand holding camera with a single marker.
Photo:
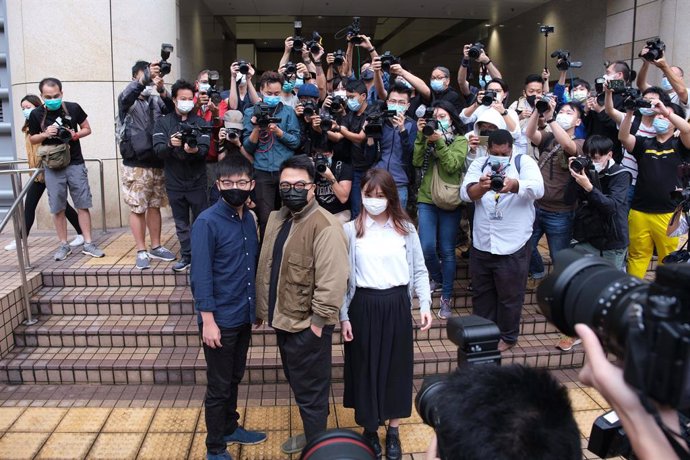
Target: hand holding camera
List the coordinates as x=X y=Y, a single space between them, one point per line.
x=473 y=141
x=578 y=170
x=288 y=44
x=398 y=121
x=176 y=140
x=330 y=58
x=51 y=130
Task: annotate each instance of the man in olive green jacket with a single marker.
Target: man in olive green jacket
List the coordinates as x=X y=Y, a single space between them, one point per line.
x=300 y=285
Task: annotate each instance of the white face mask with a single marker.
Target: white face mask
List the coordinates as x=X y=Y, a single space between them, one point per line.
x=600 y=166
x=241 y=78
x=185 y=106
x=204 y=87
x=565 y=121
x=375 y=206
x=580 y=95
x=342 y=94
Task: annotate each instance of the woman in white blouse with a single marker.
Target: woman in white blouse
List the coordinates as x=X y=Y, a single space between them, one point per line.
x=386 y=266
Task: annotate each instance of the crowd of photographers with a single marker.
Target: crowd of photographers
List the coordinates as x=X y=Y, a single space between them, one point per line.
x=594 y=165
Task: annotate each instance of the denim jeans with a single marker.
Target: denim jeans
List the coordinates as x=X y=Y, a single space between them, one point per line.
x=558 y=227
x=438 y=229
x=402 y=193
x=356 y=193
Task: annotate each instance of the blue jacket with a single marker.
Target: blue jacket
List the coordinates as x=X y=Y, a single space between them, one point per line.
x=270 y=154
x=396 y=151
x=225 y=250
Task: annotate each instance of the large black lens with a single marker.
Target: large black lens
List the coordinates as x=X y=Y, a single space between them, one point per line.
x=586 y=289
x=426 y=400
x=338 y=444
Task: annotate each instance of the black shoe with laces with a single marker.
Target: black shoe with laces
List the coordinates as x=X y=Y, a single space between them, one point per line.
x=393 y=449
x=373 y=439
x=182 y=265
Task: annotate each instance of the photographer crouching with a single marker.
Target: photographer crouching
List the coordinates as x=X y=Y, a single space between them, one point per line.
x=182 y=141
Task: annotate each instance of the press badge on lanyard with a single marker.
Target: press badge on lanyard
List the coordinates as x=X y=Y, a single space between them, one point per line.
x=496 y=214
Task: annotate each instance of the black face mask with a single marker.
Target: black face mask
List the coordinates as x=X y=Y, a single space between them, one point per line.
x=234 y=196
x=531 y=100
x=295 y=200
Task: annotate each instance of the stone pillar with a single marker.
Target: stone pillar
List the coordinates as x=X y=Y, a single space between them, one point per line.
x=91 y=47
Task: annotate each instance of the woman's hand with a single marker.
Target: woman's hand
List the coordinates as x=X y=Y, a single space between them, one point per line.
x=346 y=331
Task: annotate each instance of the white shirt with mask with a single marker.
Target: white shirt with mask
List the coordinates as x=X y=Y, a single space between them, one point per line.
x=509 y=233
x=381 y=261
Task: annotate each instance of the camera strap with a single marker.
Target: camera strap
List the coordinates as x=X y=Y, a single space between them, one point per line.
x=45 y=114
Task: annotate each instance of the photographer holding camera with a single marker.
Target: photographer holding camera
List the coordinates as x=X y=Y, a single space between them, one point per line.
x=441 y=90
x=57 y=126
x=242 y=93
x=144 y=101
x=492 y=98
x=672 y=82
x=274 y=135
x=181 y=139
x=503 y=189
x=488 y=70
x=554 y=217
x=333 y=184
x=652 y=206
x=312 y=137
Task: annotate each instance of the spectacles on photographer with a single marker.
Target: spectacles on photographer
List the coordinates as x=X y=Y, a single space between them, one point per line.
x=298 y=186
x=242 y=184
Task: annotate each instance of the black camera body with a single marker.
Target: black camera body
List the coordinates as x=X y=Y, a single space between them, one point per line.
x=320 y=163
x=489 y=97
x=63 y=135
x=308 y=109
x=635 y=101
x=387 y=60
x=189 y=133
x=338 y=104
x=644 y=325
x=232 y=133
x=542 y=105
x=338 y=58
x=326 y=122
x=244 y=67
x=374 y=127
x=431 y=123
x=475 y=50
x=580 y=164
x=314 y=43
x=655 y=50
x=213 y=93
x=263 y=114
x=497 y=177
x=297 y=40
x=290 y=68
x=165 y=66
x=354 y=30
x=563 y=62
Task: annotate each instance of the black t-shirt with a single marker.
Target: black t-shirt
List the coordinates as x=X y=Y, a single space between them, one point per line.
x=345 y=150
x=324 y=190
x=450 y=95
x=657 y=164
x=76 y=117
x=415 y=102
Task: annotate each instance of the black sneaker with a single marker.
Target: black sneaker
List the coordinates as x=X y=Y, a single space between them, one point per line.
x=393 y=449
x=182 y=265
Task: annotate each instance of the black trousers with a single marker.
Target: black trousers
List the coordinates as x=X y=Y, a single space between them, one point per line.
x=33 y=196
x=181 y=204
x=498 y=288
x=224 y=370
x=267 y=196
x=307 y=366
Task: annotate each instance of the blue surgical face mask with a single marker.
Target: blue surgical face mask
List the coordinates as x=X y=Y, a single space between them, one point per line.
x=354 y=104
x=299 y=81
x=53 y=104
x=503 y=161
x=27 y=112
x=647 y=112
x=665 y=84
x=437 y=85
x=484 y=81
x=398 y=108
x=660 y=125
x=271 y=101
x=288 y=86
x=444 y=124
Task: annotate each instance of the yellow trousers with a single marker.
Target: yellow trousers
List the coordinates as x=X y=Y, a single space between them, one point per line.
x=646 y=232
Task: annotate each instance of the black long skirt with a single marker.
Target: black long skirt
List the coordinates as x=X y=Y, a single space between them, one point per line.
x=379 y=360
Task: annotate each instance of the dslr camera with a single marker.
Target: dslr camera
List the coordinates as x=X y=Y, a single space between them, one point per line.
x=431 y=123
x=264 y=116
x=489 y=97
x=634 y=100
x=308 y=109
x=165 y=66
x=320 y=163
x=475 y=50
x=290 y=68
x=314 y=43
x=244 y=66
x=213 y=93
x=338 y=104
x=580 y=164
x=326 y=122
x=189 y=133
x=387 y=60
x=232 y=133
x=338 y=58
x=354 y=30
x=63 y=134
x=297 y=40
x=497 y=177
x=563 y=61
x=655 y=50
x=542 y=105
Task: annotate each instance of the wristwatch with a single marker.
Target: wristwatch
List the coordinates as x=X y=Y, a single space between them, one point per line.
x=550 y=121
x=505 y=112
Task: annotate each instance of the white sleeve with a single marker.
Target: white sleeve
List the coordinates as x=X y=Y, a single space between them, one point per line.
x=531 y=181
x=474 y=172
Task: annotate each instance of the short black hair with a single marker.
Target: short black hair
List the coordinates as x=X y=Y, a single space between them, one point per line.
x=663 y=96
x=580 y=81
x=181 y=84
x=270 y=77
x=138 y=67
x=623 y=67
x=356 y=86
x=533 y=78
x=500 y=137
x=597 y=145
x=49 y=81
x=401 y=89
x=573 y=105
x=530 y=415
x=303 y=162
x=453 y=113
x=234 y=164
x=501 y=83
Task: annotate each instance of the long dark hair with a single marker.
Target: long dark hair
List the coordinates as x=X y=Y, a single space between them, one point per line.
x=382 y=179
x=458 y=125
x=36 y=102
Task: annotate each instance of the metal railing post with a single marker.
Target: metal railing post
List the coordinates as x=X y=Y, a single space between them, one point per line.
x=17 y=188
x=17 y=221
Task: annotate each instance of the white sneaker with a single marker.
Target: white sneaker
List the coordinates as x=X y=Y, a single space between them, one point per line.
x=12 y=246
x=77 y=241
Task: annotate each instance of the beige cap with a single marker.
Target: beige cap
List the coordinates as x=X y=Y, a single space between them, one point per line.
x=233 y=119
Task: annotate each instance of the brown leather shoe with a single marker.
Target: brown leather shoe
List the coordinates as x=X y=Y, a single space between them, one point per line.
x=505 y=346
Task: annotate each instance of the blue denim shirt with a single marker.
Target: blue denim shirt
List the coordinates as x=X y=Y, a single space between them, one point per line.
x=396 y=150
x=269 y=154
x=225 y=248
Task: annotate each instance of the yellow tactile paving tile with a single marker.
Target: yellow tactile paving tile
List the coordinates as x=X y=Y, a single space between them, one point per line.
x=345 y=416
x=67 y=446
x=581 y=400
x=128 y=420
x=38 y=420
x=585 y=418
x=596 y=396
x=267 y=418
x=169 y=446
x=116 y=446
x=270 y=449
x=414 y=437
x=175 y=420
x=8 y=415
x=19 y=446
x=198 y=450
x=83 y=420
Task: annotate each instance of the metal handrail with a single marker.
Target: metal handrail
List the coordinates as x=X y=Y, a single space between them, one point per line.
x=19 y=230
